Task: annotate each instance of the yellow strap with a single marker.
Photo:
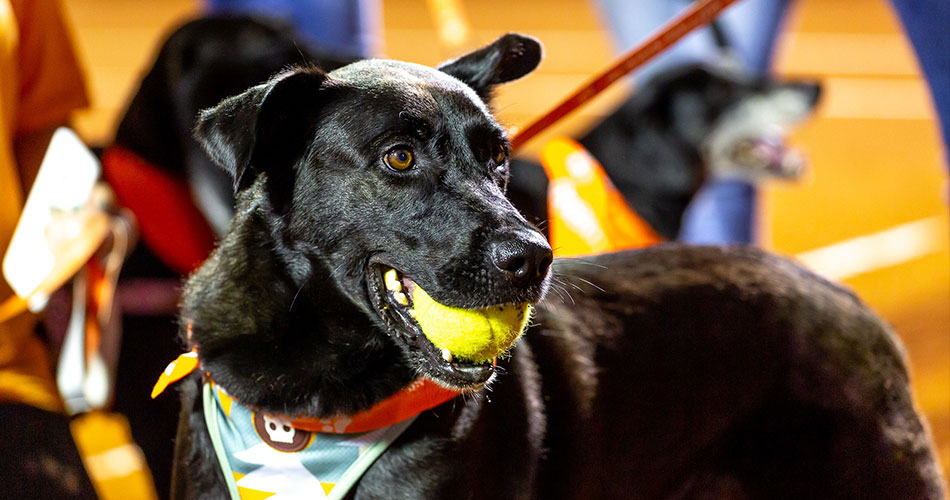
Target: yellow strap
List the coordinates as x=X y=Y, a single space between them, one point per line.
x=175 y=371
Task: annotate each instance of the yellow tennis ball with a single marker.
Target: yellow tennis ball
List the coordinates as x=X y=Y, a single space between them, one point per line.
x=475 y=335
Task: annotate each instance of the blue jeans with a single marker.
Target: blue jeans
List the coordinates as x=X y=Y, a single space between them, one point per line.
x=927 y=23
x=336 y=26
x=723 y=211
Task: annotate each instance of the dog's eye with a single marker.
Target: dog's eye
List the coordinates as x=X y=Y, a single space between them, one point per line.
x=498 y=154
x=399 y=159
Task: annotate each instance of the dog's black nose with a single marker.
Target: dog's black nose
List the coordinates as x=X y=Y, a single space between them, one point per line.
x=523 y=257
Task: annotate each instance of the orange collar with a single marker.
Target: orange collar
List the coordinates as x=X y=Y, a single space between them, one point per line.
x=419 y=396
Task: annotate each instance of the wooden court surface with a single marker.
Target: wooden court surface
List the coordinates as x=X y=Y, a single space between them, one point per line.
x=875 y=197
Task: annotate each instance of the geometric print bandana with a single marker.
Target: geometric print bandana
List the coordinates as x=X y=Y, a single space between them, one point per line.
x=264 y=457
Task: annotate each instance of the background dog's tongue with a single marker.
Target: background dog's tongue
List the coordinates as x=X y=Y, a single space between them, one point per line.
x=475 y=335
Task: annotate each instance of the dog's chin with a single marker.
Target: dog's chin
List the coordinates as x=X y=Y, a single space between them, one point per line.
x=393 y=307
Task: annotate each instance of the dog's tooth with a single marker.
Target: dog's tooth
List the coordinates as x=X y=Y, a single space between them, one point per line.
x=391 y=277
x=401 y=298
x=447 y=355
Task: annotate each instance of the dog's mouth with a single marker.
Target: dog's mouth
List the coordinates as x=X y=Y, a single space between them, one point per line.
x=767 y=156
x=395 y=296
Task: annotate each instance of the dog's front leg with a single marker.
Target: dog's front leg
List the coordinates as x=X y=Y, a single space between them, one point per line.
x=195 y=473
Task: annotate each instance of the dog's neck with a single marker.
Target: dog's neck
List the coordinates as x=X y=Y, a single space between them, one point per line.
x=254 y=322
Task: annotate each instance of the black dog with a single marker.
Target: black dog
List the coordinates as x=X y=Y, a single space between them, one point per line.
x=672 y=372
x=683 y=128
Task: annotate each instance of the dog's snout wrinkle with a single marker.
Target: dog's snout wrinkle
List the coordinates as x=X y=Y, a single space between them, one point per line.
x=523 y=257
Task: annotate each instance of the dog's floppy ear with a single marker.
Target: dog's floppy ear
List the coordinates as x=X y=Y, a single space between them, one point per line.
x=507 y=58
x=264 y=129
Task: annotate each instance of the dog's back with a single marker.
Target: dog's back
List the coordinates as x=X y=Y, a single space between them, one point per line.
x=684 y=372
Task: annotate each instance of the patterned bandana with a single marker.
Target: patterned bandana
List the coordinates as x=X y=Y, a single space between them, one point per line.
x=281 y=458
x=264 y=456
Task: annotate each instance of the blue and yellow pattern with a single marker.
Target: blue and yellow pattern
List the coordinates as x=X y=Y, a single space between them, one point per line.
x=322 y=465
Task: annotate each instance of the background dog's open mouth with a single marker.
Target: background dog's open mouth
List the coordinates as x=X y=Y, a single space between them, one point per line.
x=459 y=345
x=768 y=156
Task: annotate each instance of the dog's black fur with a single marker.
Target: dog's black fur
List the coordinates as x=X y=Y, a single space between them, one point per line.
x=654 y=147
x=672 y=372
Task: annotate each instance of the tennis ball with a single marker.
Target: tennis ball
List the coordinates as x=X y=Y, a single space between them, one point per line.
x=475 y=335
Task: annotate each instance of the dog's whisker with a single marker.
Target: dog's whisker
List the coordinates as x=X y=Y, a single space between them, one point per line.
x=581 y=260
x=571 y=283
x=294 y=301
x=588 y=282
x=566 y=279
x=561 y=291
x=555 y=286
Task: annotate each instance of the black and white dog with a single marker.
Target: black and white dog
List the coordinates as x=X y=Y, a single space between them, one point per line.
x=672 y=372
x=685 y=127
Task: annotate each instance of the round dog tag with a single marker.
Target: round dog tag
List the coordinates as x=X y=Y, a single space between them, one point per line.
x=279 y=434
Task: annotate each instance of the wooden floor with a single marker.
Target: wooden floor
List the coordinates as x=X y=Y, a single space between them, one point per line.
x=872 y=212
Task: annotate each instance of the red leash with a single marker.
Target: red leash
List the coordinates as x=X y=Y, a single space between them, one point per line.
x=698 y=14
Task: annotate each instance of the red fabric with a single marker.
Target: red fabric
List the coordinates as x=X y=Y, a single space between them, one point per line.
x=169 y=222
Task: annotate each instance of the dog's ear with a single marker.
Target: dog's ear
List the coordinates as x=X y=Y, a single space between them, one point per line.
x=507 y=58
x=149 y=126
x=264 y=129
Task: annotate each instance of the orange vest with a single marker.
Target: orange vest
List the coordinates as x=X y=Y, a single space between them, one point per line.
x=587 y=214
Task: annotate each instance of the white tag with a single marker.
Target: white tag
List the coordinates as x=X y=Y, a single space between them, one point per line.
x=63 y=185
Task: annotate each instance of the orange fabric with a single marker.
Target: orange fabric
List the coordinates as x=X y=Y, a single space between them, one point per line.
x=40 y=84
x=51 y=83
x=169 y=222
x=587 y=214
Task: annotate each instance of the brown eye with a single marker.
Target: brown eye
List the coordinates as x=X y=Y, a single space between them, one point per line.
x=498 y=154
x=399 y=159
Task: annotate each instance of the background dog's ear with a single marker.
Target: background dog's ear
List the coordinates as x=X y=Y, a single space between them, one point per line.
x=149 y=127
x=507 y=58
x=264 y=129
